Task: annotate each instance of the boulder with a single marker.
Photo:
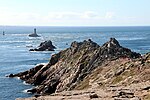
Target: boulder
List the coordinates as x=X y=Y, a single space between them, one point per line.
x=45 y=46
x=10 y=75
x=93 y=96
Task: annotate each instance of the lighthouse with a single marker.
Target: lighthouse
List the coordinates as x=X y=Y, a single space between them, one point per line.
x=34 y=30
x=34 y=34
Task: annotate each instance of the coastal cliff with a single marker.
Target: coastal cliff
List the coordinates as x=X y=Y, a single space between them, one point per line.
x=88 y=66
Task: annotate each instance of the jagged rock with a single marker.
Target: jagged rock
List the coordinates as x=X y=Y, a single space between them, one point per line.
x=47 y=45
x=125 y=94
x=10 y=75
x=27 y=74
x=112 y=48
x=93 y=96
x=70 y=67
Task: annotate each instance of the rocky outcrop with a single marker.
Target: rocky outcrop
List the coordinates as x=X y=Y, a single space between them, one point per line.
x=67 y=69
x=26 y=74
x=33 y=35
x=45 y=46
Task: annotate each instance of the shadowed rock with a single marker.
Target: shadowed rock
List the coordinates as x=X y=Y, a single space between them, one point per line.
x=93 y=96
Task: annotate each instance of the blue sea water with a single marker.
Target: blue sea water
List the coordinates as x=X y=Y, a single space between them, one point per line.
x=15 y=44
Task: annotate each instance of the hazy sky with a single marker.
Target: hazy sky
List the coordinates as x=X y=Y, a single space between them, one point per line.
x=75 y=12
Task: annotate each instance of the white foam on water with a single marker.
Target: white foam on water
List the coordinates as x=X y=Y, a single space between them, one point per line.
x=40 y=64
x=130 y=38
x=25 y=83
x=18 y=34
x=17 y=78
x=26 y=90
x=15 y=41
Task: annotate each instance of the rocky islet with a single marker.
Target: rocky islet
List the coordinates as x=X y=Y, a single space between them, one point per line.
x=45 y=46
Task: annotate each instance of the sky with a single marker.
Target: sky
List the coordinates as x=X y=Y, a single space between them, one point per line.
x=75 y=12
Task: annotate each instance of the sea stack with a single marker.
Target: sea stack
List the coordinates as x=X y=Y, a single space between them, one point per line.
x=34 y=34
x=45 y=46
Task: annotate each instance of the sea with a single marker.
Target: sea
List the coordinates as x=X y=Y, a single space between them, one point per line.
x=15 y=44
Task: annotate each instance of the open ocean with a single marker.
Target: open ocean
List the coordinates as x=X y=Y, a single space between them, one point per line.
x=15 y=44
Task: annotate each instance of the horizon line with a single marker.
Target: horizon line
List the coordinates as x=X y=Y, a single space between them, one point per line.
x=74 y=26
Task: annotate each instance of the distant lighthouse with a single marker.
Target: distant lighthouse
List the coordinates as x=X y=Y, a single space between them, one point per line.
x=34 y=30
x=34 y=34
x=3 y=32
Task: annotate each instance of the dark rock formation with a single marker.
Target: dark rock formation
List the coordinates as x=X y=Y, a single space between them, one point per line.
x=69 y=67
x=33 y=35
x=93 y=96
x=26 y=74
x=10 y=75
x=125 y=94
x=47 y=45
x=32 y=90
